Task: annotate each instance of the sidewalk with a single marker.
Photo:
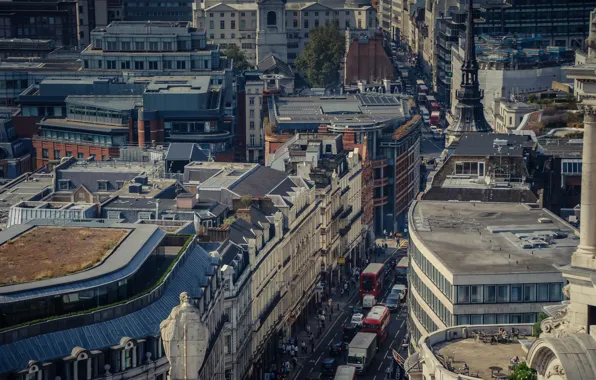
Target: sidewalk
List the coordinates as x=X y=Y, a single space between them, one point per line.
x=322 y=337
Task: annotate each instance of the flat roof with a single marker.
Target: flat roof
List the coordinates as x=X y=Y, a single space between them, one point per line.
x=489 y=238
x=198 y=84
x=126 y=258
x=111 y=102
x=364 y=108
x=50 y=251
x=23 y=189
x=82 y=126
x=480 y=356
x=492 y=144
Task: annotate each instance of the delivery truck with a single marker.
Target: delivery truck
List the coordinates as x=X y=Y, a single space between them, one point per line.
x=362 y=350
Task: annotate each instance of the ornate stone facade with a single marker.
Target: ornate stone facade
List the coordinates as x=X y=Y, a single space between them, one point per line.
x=185 y=339
x=566 y=350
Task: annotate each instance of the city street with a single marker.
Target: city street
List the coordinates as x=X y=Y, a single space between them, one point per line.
x=333 y=334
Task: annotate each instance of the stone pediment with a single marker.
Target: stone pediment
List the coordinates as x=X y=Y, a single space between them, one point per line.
x=316 y=7
x=221 y=7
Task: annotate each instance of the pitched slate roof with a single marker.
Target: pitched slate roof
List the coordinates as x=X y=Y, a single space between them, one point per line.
x=259 y=182
x=274 y=65
x=192 y=274
x=185 y=152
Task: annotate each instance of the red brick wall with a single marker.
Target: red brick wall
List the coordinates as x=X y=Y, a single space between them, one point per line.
x=87 y=151
x=26 y=126
x=367 y=61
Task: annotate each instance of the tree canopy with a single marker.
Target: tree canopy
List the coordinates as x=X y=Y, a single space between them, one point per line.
x=523 y=372
x=235 y=53
x=322 y=56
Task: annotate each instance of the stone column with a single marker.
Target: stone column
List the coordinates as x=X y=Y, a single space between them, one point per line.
x=586 y=252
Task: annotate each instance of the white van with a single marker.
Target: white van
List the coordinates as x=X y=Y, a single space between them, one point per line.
x=368 y=301
x=400 y=291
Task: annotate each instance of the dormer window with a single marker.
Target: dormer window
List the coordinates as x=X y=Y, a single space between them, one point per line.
x=63 y=184
x=102 y=185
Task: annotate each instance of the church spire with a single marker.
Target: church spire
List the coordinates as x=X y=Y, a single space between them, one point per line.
x=469 y=111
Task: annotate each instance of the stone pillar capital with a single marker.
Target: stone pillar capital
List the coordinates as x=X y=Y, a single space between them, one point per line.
x=589 y=112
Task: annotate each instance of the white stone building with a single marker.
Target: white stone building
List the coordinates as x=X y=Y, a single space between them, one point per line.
x=504 y=82
x=508 y=115
x=275 y=27
x=338 y=189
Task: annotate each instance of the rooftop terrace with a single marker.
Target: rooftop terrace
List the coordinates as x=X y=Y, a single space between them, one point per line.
x=499 y=238
x=50 y=252
x=443 y=353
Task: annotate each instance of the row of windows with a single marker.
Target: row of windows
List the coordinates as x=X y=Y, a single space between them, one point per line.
x=435 y=276
x=157 y=14
x=84 y=137
x=495 y=319
x=166 y=4
x=295 y=14
x=473 y=168
x=421 y=315
x=57 y=154
x=572 y=167
x=509 y=293
x=430 y=298
x=149 y=65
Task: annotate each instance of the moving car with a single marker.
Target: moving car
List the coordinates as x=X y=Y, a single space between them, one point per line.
x=335 y=349
x=329 y=366
x=350 y=330
x=357 y=319
x=392 y=302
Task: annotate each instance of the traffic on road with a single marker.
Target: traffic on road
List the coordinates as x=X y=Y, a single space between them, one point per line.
x=359 y=343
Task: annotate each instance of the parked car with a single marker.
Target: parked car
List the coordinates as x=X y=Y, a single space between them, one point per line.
x=357 y=319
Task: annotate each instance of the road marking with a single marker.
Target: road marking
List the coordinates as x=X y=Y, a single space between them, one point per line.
x=319 y=358
x=375 y=377
x=402 y=324
x=396 y=334
x=380 y=365
x=393 y=341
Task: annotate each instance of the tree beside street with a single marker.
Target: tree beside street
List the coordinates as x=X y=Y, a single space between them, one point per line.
x=321 y=58
x=237 y=55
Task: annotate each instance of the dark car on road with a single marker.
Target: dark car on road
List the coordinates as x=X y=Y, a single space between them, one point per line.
x=335 y=349
x=350 y=331
x=392 y=302
x=329 y=366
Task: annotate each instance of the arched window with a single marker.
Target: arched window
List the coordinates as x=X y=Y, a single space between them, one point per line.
x=271 y=18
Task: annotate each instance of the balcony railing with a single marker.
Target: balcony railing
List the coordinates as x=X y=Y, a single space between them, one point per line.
x=338 y=212
x=379 y=162
x=265 y=313
x=377 y=202
x=346 y=213
x=380 y=182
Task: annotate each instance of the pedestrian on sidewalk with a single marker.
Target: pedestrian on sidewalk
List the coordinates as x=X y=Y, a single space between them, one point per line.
x=308 y=329
x=347 y=288
x=304 y=347
x=312 y=344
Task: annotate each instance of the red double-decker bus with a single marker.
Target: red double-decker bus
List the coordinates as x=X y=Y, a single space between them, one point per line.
x=377 y=321
x=372 y=280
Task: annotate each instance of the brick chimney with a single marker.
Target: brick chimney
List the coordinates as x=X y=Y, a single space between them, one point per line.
x=244 y=213
x=186 y=201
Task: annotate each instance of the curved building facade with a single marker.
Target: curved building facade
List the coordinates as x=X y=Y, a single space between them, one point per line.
x=111 y=329
x=471 y=263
